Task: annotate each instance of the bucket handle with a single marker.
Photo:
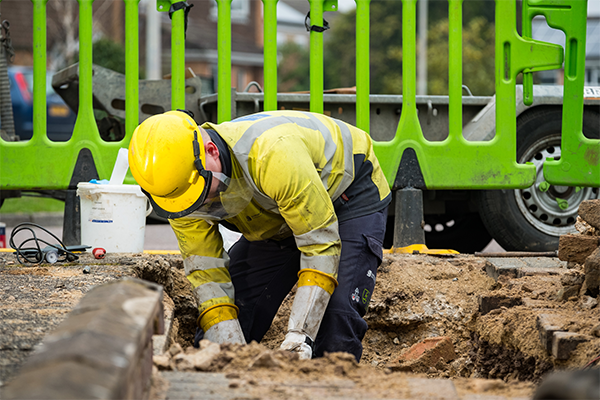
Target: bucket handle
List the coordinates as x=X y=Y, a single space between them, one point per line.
x=148 y=207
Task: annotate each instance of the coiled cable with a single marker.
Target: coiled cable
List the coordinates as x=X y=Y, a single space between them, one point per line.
x=51 y=253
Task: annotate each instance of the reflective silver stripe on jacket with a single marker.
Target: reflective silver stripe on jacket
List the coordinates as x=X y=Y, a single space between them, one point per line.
x=211 y=290
x=200 y=263
x=329 y=234
x=326 y=264
x=242 y=149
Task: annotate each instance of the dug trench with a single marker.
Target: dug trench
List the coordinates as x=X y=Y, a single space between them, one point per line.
x=497 y=332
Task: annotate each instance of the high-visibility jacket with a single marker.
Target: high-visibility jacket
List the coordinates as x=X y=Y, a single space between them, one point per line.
x=299 y=164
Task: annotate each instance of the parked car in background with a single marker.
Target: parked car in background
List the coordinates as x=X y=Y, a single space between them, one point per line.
x=60 y=118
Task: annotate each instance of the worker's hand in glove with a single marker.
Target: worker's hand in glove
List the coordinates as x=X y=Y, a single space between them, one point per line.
x=297 y=343
x=312 y=297
x=220 y=325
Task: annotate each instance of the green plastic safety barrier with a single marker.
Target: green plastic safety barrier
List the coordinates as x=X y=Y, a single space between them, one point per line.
x=579 y=163
x=456 y=163
x=42 y=164
x=453 y=163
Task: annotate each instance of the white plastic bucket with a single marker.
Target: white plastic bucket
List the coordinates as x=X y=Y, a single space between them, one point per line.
x=113 y=217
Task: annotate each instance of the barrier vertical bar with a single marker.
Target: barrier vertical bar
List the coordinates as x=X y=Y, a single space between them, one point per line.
x=362 y=65
x=224 y=62
x=316 y=57
x=178 y=58
x=85 y=125
x=409 y=59
x=132 y=71
x=409 y=200
x=39 y=70
x=455 y=68
x=270 y=54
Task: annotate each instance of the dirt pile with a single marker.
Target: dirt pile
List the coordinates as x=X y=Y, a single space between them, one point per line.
x=266 y=373
x=494 y=328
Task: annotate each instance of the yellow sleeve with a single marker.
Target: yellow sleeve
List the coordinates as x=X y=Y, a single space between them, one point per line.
x=205 y=262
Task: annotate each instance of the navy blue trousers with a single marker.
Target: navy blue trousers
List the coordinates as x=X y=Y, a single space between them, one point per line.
x=264 y=272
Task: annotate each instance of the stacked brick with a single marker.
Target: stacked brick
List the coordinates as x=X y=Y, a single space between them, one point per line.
x=583 y=248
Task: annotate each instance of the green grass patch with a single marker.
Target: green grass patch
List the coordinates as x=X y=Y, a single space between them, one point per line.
x=29 y=205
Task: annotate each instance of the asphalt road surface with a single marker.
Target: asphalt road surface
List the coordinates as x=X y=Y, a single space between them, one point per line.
x=161 y=237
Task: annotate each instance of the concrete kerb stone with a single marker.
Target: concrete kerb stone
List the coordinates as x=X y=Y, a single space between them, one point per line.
x=103 y=349
x=162 y=342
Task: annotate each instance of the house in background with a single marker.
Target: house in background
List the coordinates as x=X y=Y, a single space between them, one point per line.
x=201 y=43
x=62 y=28
x=201 y=35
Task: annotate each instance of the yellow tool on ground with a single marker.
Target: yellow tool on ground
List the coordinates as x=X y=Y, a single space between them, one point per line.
x=418 y=249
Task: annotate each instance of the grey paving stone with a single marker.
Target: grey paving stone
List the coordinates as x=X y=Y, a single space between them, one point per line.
x=438 y=389
x=503 y=266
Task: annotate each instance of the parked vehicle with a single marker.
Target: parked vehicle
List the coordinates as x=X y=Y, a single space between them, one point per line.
x=60 y=118
x=530 y=219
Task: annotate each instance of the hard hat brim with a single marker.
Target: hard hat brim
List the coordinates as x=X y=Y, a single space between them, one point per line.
x=186 y=203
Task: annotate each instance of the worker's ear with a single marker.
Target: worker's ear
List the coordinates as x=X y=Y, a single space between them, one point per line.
x=211 y=150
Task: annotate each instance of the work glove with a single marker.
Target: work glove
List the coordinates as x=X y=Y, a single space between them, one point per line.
x=228 y=331
x=220 y=324
x=313 y=294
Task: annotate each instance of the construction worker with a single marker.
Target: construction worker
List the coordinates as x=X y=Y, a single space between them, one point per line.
x=309 y=197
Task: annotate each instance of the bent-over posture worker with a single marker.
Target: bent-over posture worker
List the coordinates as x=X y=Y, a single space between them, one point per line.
x=308 y=195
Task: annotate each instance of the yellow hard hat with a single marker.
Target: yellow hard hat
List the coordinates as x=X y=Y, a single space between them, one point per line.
x=166 y=158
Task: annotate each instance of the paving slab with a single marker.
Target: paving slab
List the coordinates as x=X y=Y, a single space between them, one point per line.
x=517 y=267
x=424 y=389
x=216 y=386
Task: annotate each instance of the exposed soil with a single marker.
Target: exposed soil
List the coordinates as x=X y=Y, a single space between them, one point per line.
x=498 y=352
x=418 y=297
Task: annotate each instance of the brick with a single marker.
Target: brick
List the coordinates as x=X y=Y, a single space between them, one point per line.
x=427 y=353
x=589 y=211
x=592 y=273
x=563 y=343
x=547 y=325
x=576 y=248
x=489 y=303
x=439 y=389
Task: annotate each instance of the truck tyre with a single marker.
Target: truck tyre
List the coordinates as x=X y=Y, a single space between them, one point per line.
x=464 y=233
x=531 y=219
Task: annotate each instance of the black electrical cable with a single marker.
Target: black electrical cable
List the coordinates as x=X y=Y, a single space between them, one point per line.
x=35 y=254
